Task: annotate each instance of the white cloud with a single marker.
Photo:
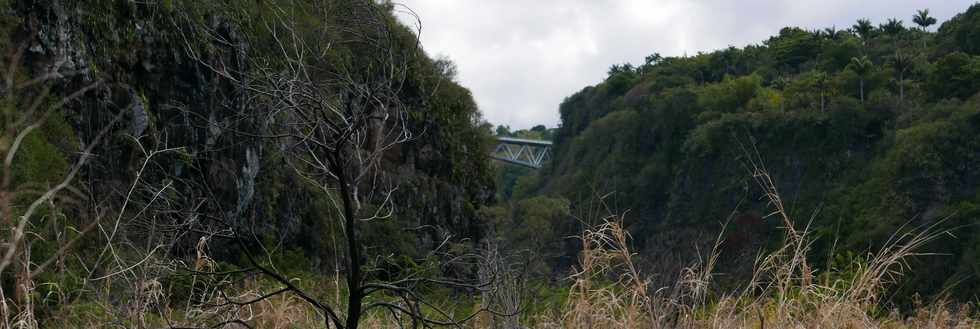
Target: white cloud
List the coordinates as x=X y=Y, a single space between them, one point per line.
x=521 y=58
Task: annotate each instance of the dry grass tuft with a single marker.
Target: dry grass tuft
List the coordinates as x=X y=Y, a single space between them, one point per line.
x=609 y=292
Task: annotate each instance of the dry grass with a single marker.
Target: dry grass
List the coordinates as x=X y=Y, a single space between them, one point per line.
x=609 y=292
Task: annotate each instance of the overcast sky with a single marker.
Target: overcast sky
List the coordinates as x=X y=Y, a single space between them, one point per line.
x=520 y=58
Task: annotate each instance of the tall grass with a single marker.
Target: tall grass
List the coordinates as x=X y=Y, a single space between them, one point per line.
x=606 y=290
x=609 y=292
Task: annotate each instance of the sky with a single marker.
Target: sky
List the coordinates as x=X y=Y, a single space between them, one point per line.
x=521 y=58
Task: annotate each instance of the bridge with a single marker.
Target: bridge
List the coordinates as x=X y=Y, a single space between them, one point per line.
x=522 y=152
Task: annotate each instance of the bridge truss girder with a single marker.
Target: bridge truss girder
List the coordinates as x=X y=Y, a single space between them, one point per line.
x=522 y=152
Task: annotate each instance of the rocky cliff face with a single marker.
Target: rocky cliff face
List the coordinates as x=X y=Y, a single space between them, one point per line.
x=185 y=143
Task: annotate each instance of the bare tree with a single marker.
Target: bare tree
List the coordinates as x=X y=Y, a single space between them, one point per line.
x=335 y=118
x=509 y=288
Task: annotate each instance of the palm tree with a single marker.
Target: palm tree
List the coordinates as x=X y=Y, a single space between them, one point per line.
x=862 y=66
x=818 y=33
x=832 y=33
x=901 y=62
x=864 y=29
x=820 y=80
x=893 y=27
x=923 y=19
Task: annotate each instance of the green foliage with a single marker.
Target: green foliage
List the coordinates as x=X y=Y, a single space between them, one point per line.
x=538 y=227
x=893 y=27
x=167 y=53
x=955 y=75
x=837 y=53
x=922 y=19
x=859 y=128
x=862 y=67
x=666 y=140
x=960 y=32
x=43 y=154
x=864 y=29
x=538 y=219
x=793 y=47
x=730 y=95
x=809 y=90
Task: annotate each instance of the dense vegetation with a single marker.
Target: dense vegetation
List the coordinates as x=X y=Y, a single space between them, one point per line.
x=295 y=164
x=197 y=193
x=867 y=131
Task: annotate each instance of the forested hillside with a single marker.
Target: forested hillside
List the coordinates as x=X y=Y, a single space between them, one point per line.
x=305 y=164
x=169 y=161
x=867 y=131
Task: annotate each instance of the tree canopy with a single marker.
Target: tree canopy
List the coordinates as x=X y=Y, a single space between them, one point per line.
x=863 y=129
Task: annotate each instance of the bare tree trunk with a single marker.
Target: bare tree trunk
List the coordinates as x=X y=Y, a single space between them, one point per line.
x=355 y=296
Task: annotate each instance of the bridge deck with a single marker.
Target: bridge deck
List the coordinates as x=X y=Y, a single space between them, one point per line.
x=521 y=141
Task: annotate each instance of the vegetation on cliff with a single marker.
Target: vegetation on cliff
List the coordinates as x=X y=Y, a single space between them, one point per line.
x=867 y=131
x=174 y=163
x=304 y=164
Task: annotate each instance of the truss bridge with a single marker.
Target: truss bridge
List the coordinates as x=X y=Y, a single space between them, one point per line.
x=522 y=152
